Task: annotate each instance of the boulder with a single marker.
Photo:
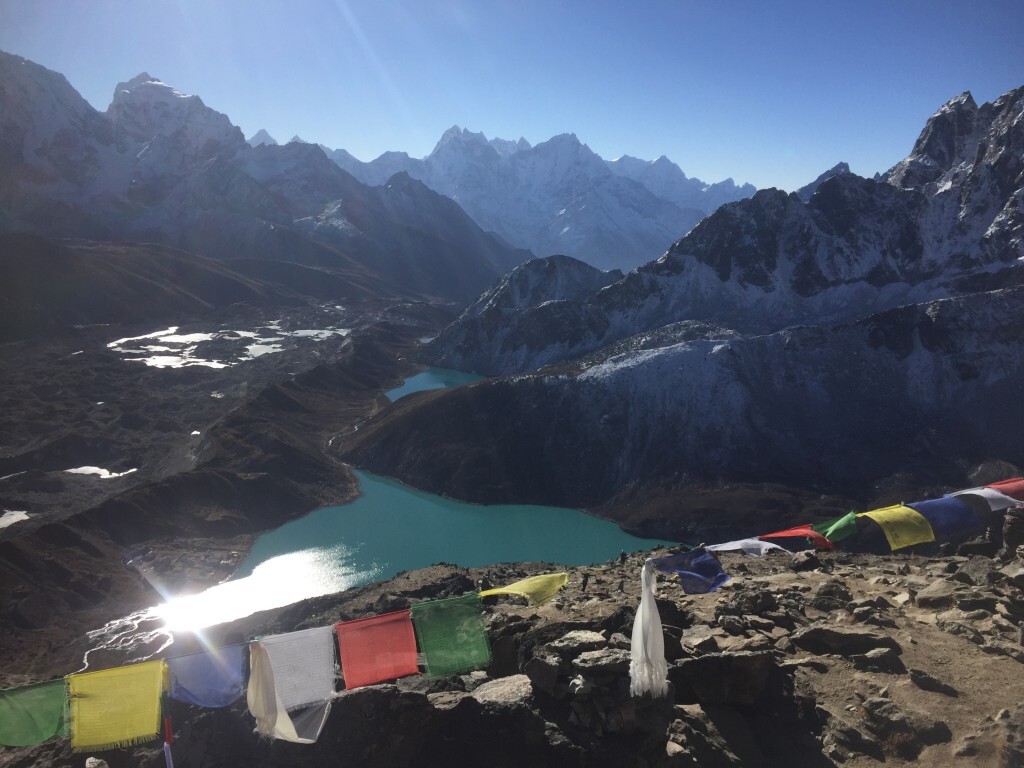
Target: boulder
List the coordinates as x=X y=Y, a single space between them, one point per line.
x=576 y=642
x=722 y=678
x=606 y=661
x=544 y=670
x=938 y=594
x=843 y=640
x=905 y=732
x=805 y=561
x=926 y=682
x=979 y=572
x=512 y=691
x=879 y=660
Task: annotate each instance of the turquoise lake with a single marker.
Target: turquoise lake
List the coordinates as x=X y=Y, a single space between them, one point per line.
x=432 y=378
x=390 y=528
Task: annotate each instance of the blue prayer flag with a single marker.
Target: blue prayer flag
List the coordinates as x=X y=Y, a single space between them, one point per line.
x=208 y=679
x=698 y=570
x=947 y=514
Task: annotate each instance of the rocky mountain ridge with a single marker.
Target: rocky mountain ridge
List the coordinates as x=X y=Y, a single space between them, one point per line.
x=857 y=246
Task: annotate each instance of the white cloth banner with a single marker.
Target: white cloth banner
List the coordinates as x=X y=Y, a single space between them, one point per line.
x=291 y=683
x=996 y=501
x=648 y=670
x=750 y=547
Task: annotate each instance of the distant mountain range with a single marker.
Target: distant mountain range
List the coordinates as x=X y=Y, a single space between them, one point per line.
x=559 y=197
x=161 y=167
x=872 y=329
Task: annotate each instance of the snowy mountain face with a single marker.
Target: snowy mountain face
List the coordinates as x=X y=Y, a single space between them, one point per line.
x=161 y=166
x=871 y=330
x=557 y=196
x=667 y=180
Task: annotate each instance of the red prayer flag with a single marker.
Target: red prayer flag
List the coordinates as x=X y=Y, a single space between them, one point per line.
x=377 y=648
x=1013 y=487
x=800 y=531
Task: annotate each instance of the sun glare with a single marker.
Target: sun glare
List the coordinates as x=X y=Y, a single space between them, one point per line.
x=278 y=582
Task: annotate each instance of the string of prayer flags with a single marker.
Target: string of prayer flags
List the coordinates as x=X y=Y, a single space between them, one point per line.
x=211 y=678
x=536 y=589
x=801 y=531
x=698 y=570
x=32 y=714
x=291 y=683
x=648 y=669
x=749 y=547
x=841 y=528
x=903 y=526
x=948 y=514
x=377 y=648
x=451 y=634
x=115 y=708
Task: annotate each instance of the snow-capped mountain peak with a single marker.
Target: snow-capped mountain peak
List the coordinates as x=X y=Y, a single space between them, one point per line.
x=261 y=137
x=145 y=108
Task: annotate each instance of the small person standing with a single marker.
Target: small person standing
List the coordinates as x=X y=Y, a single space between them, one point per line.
x=586 y=580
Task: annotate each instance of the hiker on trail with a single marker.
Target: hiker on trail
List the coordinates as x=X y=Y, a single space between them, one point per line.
x=586 y=580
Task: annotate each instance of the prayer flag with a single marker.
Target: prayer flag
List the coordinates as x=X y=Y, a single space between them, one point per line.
x=947 y=514
x=997 y=500
x=115 y=708
x=291 y=683
x=377 y=648
x=648 y=669
x=841 y=528
x=451 y=634
x=801 y=531
x=903 y=526
x=208 y=679
x=536 y=589
x=749 y=547
x=32 y=714
x=699 y=571
x=1013 y=487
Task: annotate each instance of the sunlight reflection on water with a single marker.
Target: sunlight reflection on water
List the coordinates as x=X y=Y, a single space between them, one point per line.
x=280 y=581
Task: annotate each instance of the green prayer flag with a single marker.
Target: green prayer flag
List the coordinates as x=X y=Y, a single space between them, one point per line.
x=33 y=714
x=451 y=634
x=841 y=528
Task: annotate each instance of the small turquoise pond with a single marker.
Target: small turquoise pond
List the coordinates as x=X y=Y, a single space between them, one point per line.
x=432 y=378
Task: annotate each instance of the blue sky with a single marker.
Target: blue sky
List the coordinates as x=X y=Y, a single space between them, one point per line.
x=767 y=92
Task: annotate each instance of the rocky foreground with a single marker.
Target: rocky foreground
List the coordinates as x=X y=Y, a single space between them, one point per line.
x=809 y=660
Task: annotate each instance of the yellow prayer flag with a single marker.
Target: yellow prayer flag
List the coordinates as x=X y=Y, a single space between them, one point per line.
x=536 y=589
x=903 y=526
x=116 y=708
